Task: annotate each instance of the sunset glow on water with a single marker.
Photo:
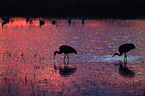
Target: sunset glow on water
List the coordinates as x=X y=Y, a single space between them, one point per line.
x=27 y=63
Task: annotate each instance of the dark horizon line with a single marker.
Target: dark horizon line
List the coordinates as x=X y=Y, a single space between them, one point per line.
x=60 y=16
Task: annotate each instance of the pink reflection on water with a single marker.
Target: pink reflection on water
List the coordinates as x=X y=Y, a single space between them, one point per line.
x=27 y=63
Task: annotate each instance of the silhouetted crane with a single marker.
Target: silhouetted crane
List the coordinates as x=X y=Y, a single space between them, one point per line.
x=41 y=22
x=27 y=18
x=5 y=20
x=3 y=23
x=69 y=20
x=83 y=21
x=66 y=50
x=124 y=49
x=53 y=22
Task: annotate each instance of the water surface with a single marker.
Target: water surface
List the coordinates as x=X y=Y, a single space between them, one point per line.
x=27 y=63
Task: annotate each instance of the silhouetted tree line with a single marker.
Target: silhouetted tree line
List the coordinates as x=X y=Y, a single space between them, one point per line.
x=76 y=8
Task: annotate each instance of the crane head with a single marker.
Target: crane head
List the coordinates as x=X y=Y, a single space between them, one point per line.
x=55 y=52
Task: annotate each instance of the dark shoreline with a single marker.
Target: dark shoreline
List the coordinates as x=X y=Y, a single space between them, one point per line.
x=65 y=16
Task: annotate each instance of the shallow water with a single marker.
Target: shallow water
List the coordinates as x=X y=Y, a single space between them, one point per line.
x=27 y=63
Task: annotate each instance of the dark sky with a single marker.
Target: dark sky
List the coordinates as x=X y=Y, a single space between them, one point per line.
x=76 y=8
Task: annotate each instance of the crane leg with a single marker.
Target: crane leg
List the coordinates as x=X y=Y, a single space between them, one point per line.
x=64 y=59
x=68 y=60
x=125 y=58
x=54 y=66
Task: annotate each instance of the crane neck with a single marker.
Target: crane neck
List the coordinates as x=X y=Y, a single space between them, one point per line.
x=57 y=52
x=117 y=54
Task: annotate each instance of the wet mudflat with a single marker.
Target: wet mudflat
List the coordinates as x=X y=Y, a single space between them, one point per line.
x=27 y=63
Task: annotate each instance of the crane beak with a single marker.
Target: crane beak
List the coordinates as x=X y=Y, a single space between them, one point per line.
x=113 y=56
